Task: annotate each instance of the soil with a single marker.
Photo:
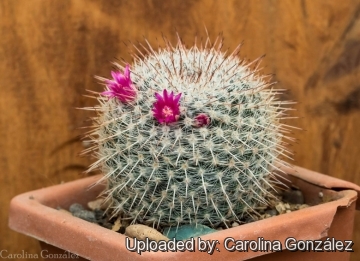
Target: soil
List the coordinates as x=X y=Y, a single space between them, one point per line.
x=289 y=200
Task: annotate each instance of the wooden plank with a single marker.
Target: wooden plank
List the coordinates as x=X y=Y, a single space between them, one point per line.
x=50 y=50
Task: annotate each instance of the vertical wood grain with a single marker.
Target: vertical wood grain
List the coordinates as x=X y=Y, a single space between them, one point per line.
x=50 y=51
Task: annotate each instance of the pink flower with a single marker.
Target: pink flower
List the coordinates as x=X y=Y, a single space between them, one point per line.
x=121 y=86
x=167 y=108
x=202 y=120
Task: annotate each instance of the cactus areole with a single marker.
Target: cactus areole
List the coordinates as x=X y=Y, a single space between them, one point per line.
x=186 y=136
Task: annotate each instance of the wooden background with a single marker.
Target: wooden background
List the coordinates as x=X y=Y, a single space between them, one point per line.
x=50 y=51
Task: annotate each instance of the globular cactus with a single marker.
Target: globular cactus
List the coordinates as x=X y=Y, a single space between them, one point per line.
x=188 y=136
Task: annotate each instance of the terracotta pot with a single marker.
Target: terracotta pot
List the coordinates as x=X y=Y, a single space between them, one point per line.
x=34 y=214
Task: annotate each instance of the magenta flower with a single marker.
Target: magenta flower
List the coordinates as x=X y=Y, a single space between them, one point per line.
x=202 y=120
x=167 y=108
x=121 y=86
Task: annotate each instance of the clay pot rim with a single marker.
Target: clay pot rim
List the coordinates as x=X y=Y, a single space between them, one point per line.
x=94 y=242
x=322 y=180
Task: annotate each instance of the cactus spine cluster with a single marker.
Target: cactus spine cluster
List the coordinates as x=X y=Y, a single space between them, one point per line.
x=213 y=162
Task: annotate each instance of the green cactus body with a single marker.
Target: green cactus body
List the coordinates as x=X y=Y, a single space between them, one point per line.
x=180 y=173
